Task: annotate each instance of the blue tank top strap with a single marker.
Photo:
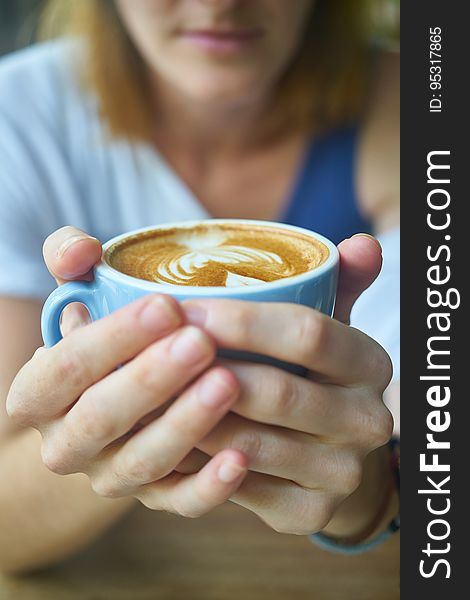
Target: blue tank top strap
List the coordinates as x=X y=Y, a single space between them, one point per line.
x=324 y=197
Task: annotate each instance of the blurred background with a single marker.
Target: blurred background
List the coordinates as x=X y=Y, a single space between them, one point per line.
x=18 y=20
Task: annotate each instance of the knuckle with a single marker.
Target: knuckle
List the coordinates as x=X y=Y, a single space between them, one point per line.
x=286 y=523
x=94 y=423
x=381 y=428
x=184 y=509
x=119 y=325
x=248 y=442
x=242 y=318
x=106 y=488
x=167 y=499
x=316 y=514
x=17 y=408
x=351 y=477
x=284 y=396
x=308 y=513
x=304 y=520
x=383 y=368
x=311 y=334
x=143 y=374
x=54 y=458
x=345 y=472
x=179 y=427
x=134 y=470
x=320 y=515
x=72 y=367
x=152 y=503
x=147 y=501
x=146 y=496
x=39 y=353
x=312 y=514
x=283 y=527
x=373 y=424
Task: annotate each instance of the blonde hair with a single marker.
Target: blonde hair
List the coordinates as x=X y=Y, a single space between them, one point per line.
x=324 y=86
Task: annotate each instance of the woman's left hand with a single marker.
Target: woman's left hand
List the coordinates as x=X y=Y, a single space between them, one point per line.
x=306 y=438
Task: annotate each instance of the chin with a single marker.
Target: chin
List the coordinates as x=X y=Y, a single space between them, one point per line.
x=228 y=90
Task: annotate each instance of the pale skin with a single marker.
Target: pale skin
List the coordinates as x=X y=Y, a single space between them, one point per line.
x=223 y=436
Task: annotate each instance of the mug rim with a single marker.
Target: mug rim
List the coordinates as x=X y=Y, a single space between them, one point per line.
x=105 y=269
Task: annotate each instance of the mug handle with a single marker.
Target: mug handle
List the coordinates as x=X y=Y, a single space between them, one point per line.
x=74 y=291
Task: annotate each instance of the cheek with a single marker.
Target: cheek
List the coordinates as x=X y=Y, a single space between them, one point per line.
x=148 y=23
x=146 y=18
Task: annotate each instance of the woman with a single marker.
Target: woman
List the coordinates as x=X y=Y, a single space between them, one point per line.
x=165 y=110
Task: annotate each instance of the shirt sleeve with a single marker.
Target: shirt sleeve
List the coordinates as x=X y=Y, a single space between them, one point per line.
x=377 y=312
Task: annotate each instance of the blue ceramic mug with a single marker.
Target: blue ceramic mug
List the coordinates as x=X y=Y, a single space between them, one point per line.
x=111 y=289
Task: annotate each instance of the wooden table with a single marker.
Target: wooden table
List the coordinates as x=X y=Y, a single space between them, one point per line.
x=227 y=555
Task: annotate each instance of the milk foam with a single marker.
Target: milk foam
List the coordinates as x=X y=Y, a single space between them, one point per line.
x=220 y=256
x=183 y=266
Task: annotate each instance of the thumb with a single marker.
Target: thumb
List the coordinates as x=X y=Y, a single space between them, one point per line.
x=71 y=254
x=360 y=264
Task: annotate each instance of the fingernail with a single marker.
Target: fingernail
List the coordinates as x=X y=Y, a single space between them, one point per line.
x=229 y=472
x=195 y=314
x=160 y=315
x=190 y=346
x=371 y=237
x=215 y=392
x=62 y=249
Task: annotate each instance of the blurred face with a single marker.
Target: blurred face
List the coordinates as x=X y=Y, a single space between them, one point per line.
x=216 y=51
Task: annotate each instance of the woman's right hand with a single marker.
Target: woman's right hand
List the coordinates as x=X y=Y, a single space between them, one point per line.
x=87 y=409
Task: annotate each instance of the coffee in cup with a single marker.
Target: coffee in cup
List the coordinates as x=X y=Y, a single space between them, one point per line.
x=217 y=254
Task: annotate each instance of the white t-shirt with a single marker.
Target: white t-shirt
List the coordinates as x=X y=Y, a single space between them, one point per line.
x=58 y=167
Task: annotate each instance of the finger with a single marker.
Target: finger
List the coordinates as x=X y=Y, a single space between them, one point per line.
x=74 y=315
x=360 y=264
x=70 y=254
x=295 y=334
x=192 y=462
x=195 y=495
x=272 y=396
x=161 y=446
x=283 y=505
x=287 y=454
x=156 y=449
x=55 y=377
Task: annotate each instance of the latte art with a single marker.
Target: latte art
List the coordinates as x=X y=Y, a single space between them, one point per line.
x=217 y=255
x=183 y=266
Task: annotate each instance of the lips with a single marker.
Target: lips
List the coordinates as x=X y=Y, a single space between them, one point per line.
x=219 y=40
